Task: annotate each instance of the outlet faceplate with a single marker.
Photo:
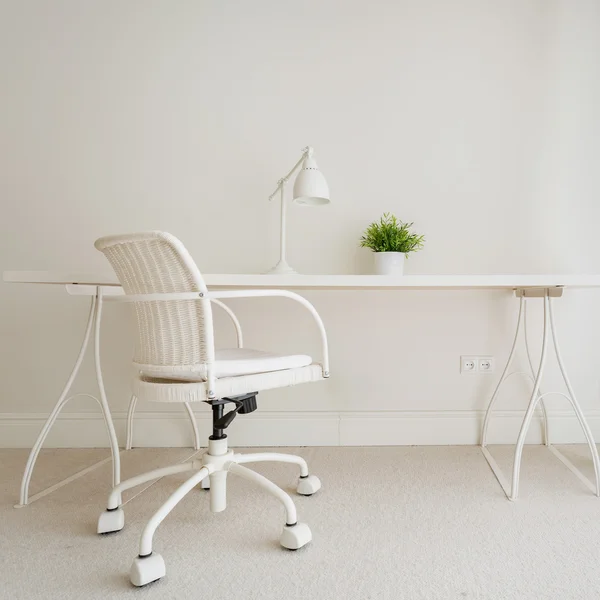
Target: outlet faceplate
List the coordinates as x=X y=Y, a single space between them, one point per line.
x=477 y=364
x=486 y=364
x=469 y=364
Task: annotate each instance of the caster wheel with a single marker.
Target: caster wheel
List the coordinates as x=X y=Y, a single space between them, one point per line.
x=307 y=486
x=205 y=483
x=111 y=521
x=295 y=536
x=146 y=569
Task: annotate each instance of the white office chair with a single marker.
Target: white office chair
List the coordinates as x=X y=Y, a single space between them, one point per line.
x=175 y=361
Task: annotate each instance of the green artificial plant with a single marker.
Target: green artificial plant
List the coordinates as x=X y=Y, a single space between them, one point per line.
x=389 y=234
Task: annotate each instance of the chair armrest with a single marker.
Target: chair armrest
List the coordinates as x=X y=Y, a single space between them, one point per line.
x=215 y=295
x=236 y=322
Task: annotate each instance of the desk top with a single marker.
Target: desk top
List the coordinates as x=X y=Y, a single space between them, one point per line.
x=353 y=282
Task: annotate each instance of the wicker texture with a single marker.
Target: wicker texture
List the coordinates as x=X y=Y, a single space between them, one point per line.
x=172 y=333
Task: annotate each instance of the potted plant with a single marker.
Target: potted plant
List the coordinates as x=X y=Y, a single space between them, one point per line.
x=391 y=240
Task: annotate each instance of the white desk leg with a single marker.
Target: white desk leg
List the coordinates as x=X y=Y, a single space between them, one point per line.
x=112 y=435
x=488 y=413
x=580 y=416
x=537 y=396
x=93 y=319
x=190 y=412
x=545 y=423
x=58 y=407
x=131 y=413
x=532 y=404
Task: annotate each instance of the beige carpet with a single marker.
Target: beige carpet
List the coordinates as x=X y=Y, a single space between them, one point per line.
x=404 y=522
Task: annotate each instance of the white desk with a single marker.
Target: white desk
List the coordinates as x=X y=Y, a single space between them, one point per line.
x=543 y=287
x=330 y=282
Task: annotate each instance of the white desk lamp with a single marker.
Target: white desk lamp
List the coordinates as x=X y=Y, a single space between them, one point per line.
x=310 y=189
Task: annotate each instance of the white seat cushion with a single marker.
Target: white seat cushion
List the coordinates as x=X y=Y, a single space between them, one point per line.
x=233 y=362
x=175 y=390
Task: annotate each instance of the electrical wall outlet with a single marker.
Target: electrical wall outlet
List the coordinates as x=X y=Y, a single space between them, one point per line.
x=477 y=364
x=486 y=364
x=469 y=364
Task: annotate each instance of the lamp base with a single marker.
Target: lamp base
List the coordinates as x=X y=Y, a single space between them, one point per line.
x=282 y=268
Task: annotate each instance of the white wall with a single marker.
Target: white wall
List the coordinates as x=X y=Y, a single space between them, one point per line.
x=477 y=120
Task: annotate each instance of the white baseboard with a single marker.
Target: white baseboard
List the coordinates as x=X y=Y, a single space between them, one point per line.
x=373 y=428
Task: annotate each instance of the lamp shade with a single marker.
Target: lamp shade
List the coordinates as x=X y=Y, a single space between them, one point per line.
x=310 y=187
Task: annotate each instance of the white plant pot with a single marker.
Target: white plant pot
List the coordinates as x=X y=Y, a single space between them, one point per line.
x=389 y=263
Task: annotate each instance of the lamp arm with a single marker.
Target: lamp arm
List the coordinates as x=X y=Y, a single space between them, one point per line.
x=305 y=152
